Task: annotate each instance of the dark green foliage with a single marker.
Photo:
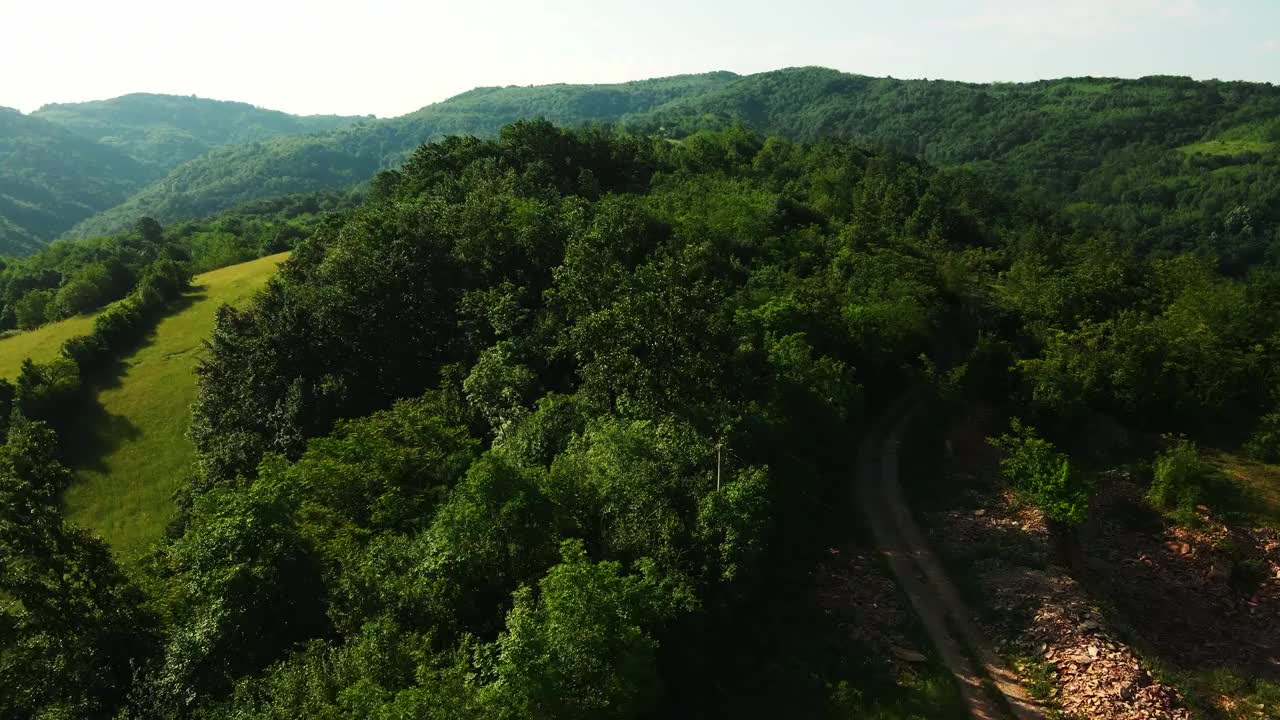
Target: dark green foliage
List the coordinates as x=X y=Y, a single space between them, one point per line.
x=651 y=355
x=660 y=345
x=44 y=391
x=33 y=309
x=72 y=628
x=243 y=590
x=1264 y=443
x=578 y=649
x=1042 y=475
x=1178 y=478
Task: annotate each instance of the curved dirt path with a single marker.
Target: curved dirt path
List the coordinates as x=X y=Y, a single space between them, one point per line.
x=946 y=618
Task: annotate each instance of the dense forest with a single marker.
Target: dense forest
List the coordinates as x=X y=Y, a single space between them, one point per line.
x=537 y=428
x=1078 y=142
x=556 y=418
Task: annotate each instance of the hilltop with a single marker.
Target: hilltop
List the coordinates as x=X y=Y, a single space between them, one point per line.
x=166 y=130
x=67 y=162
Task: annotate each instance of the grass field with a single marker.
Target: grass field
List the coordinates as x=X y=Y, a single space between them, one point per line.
x=133 y=452
x=1253 y=495
x=42 y=344
x=1228 y=147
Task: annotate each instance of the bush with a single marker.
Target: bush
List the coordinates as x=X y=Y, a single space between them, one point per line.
x=1178 y=478
x=32 y=309
x=78 y=296
x=1041 y=475
x=44 y=390
x=1264 y=444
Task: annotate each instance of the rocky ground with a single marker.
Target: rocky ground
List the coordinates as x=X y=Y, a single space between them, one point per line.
x=1197 y=598
x=1041 y=614
x=1206 y=596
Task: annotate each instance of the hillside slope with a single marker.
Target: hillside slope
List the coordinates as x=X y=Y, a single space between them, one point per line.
x=1068 y=140
x=1044 y=133
x=237 y=174
x=132 y=454
x=165 y=130
x=64 y=163
x=42 y=344
x=51 y=178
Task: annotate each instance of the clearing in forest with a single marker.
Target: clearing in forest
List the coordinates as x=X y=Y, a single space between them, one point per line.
x=131 y=452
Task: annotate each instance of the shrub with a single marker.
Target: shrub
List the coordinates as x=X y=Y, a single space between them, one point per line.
x=78 y=296
x=1264 y=444
x=1041 y=475
x=1178 y=478
x=45 y=390
x=32 y=309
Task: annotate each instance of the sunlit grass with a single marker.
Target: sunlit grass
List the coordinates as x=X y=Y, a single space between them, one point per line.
x=1254 y=488
x=42 y=344
x=134 y=453
x=1240 y=146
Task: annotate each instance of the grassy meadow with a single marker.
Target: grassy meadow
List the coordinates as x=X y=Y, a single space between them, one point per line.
x=42 y=344
x=131 y=453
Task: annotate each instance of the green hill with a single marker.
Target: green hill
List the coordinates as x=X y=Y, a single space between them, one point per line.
x=64 y=163
x=1068 y=140
x=1045 y=134
x=133 y=453
x=165 y=130
x=237 y=174
x=52 y=178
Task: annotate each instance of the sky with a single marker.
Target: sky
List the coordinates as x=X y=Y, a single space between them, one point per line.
x=390 y=57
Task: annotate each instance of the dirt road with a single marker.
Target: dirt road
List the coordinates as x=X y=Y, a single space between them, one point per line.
x=989 y=687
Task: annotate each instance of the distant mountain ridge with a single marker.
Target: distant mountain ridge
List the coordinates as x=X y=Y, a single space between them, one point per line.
x=52 y=178
x=66 y=162
x=1068 y=140
x=237 y=174
x=166 y=130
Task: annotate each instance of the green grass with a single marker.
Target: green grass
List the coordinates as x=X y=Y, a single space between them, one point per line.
x=1228 y=147
x=42 y=344
x=132 y=453
x=1251 y=493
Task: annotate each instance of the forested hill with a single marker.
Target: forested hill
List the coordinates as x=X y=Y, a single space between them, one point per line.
x=165 y=130
x=1156 y=143
x=51 y=178
x=238 y=174
x=1045 y=134
x=65 y=163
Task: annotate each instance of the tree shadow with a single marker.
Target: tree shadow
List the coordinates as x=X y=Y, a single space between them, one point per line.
x=89 y=432
x=111 y=373
x=94 y=435
x=1186 y=598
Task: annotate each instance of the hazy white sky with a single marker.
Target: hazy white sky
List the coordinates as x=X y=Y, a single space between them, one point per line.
x=389 y=57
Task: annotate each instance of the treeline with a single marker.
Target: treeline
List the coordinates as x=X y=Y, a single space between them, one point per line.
x=1152 y=158
x=50 y=392
x=71 y=278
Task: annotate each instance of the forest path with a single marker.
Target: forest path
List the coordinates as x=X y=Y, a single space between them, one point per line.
x=945 y=616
